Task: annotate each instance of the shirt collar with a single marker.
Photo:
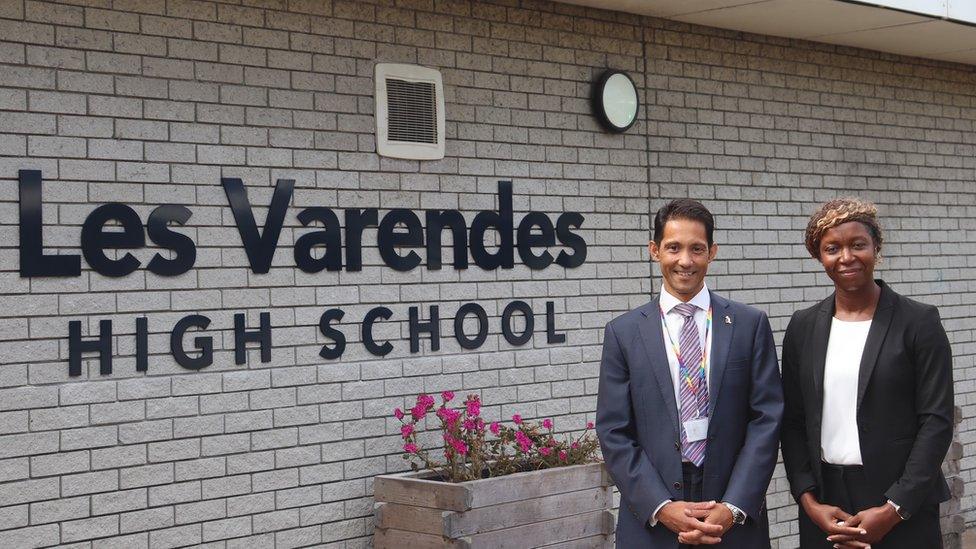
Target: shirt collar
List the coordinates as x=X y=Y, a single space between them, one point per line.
x=702 y=300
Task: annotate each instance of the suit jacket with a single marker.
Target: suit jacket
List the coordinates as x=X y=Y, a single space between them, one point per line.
x=904 y=400
x=637 y=421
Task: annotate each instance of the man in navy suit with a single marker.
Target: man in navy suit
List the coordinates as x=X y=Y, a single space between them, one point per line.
x=690 y=402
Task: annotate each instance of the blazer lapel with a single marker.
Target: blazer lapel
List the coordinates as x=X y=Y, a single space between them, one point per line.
x=876 y=335
x=816 y=349
x=653 y=338
x=721 y=341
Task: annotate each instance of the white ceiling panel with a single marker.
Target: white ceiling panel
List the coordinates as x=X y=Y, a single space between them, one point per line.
x=659 y=8
x=965 y=56
x=800 y=18
x=893 y=26
x=921 y=39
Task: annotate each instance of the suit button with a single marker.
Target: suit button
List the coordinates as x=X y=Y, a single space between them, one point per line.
x=677 y=485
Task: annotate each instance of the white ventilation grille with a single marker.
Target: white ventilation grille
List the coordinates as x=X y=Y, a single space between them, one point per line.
x=409 y=112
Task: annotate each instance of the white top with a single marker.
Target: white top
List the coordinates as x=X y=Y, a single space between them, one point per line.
x=839 y=440
x=674 y=322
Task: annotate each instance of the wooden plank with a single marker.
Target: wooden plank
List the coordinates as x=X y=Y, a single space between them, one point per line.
x=539 y=534
x=517 y=513
x=591 y=542
x=415 y=519
x=534 y=484
x=408 y=489
x=391 y=538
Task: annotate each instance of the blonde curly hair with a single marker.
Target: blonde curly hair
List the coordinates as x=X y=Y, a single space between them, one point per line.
x=837 y=212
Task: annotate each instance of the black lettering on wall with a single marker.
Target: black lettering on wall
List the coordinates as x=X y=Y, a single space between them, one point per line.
x=528 y=240
x=204 y=344
x=371 y=317
x=261 y=247
x=102 y=346
x=243 y=336
x=436 y=222
x=567 y=237
x=330 y=238
x=356 y=221
x=504 y=256
x=510 y=336
x=33 y=262
x=388 y=239
x=551 y=335
x=185 y=252
x=142 y=344
x=479 y=312
x=432 y=326
x=326 y=329
x=95 y=239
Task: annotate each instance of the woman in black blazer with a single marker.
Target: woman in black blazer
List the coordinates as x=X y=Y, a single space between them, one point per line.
x=867 y=377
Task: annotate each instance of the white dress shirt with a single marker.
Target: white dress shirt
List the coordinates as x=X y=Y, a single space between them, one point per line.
x=839 y=441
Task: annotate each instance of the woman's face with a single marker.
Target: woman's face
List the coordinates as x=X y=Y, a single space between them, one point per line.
x=848 y=254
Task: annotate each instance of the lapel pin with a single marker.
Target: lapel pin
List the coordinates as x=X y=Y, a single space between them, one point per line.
x=728 y=320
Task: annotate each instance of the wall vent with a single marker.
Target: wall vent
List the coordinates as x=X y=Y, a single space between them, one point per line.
x=409 y=112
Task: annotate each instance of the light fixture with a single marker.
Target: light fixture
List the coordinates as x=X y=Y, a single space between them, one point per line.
x=615 y=101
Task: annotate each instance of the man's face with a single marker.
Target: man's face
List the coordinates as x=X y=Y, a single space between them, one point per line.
x=684 y=255
x=848 y=254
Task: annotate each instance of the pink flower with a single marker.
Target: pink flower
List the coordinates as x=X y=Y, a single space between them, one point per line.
x=398 y=413
x=406 y=430
x=545 y=450
x=470 y=425
x=449 y=416
x=517 y=419
x=495 y=428
x=410 y=448
x=474 y=407
x=460 y=447
x=524 y=442
x=563 y=455
x=426 y=401
x=574 y=445
x=547 y=424
x=418 y=412
x=589 y=424
x=447 y=396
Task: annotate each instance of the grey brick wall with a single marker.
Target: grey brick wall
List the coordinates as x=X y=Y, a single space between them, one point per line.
x=148 y=102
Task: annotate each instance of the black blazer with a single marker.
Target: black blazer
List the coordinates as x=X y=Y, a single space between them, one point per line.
x=904 y=400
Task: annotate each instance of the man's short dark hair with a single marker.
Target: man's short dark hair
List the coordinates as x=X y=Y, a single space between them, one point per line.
x=683 y=208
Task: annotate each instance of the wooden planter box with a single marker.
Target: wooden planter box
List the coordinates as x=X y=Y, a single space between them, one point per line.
x=565 y=507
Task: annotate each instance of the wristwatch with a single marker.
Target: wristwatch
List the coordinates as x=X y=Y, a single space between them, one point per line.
x=738 y=517
x=901 y=512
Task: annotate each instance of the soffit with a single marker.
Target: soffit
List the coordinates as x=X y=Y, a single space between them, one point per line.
x=925 y=32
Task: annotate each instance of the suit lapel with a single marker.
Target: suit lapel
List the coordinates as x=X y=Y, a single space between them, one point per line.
x=653 y=338
x=816 y=348
x=876 y=335
x=721 y=341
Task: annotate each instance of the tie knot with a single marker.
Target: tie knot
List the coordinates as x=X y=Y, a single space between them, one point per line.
x=686 y=310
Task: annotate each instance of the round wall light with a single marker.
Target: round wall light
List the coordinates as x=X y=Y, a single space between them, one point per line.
x=615 y=101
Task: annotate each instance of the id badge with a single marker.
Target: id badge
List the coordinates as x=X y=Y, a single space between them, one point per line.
x=696 y=429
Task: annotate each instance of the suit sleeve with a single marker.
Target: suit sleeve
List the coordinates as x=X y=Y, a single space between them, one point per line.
x=635 y=476
x=932 y=359
x=796 y=456
x=754 y=467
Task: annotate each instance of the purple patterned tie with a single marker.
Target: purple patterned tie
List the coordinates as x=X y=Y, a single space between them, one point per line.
x=692 y=405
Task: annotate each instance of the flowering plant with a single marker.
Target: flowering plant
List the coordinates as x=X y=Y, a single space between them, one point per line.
x=474 y=450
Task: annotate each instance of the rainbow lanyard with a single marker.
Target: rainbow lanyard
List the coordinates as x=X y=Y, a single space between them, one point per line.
x=694 y=383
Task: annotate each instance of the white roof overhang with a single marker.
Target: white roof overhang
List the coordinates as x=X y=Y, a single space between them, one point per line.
x=934 y=29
